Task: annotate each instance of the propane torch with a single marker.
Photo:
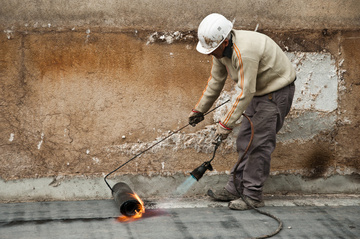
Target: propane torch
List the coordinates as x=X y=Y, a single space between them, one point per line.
x=198 y=172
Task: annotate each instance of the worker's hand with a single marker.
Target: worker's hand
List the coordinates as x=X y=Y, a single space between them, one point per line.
x=222 y=131
x=195 y=117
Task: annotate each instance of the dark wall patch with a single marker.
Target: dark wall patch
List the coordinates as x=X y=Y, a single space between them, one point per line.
x=319 y=159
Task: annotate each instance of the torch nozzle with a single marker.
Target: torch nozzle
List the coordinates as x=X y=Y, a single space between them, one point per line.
x=199 y=171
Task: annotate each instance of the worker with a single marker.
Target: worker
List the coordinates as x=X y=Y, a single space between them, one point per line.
x=265 y=77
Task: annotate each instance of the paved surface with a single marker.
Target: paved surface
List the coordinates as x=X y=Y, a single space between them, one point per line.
x=199 y=219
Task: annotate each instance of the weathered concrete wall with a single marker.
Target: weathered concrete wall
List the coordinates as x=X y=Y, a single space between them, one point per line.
x=172 y=15
x=85 y=86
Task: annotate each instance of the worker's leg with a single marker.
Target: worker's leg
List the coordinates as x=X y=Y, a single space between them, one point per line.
x=242 y=142
x=267 y=117
x=255 y=167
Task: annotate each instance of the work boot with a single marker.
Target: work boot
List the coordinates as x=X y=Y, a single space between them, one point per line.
x=239 y=204
x=222 y=195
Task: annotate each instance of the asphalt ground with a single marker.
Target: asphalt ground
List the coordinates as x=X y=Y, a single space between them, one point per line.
x=311 y=217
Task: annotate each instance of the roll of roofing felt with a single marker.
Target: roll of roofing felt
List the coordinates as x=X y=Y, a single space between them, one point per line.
x=127 y=200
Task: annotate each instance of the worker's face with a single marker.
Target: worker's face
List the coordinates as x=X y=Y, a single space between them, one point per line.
x=218 y=53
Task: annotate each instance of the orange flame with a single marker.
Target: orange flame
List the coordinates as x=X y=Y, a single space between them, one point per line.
x=139 y=211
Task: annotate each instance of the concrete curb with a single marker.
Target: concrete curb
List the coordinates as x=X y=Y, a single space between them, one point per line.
x=158 y=187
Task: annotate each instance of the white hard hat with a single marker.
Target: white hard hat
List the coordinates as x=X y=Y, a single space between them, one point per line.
x=212 y=31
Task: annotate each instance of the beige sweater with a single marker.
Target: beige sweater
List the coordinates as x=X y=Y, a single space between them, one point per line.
x=258 y=66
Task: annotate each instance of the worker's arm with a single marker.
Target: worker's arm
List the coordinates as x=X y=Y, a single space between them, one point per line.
x=214 y=86
x=247 y=73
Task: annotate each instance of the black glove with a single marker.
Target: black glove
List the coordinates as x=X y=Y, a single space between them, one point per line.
x=195 y=117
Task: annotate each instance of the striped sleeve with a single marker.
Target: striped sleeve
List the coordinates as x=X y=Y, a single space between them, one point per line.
x=213 y=87
x=247 y=72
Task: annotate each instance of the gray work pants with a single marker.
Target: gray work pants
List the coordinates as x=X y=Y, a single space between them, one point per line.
x=267 y=114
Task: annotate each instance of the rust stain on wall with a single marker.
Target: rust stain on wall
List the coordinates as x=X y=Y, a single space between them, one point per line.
x=349 y=135
x=69 y=94
x=83 y=53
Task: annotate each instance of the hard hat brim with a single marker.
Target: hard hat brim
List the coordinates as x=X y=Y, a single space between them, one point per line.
x=204 y=50
x=207 y=51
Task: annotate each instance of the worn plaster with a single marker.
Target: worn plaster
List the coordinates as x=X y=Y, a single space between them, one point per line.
x=81 y=96
x=314 y=106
